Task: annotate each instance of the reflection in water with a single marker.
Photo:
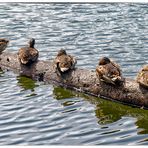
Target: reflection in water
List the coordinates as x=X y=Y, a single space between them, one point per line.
x=62 y=93
x=1 y=72
x=27 y=84
x=87 y=31
x=106 y=111
x=109 y=112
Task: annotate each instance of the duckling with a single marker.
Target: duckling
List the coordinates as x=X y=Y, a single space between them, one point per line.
x=3 y=44
x=28 y=55
x=64 y=62
x=109 y=72
x=142 y=77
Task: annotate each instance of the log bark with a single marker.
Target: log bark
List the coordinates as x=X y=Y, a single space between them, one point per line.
x=81 y=80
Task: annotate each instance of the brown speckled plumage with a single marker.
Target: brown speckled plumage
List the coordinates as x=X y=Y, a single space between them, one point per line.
x=64 y=62
x=3 y=44
x=28 y=55
x=109 y=71
x=142 y=77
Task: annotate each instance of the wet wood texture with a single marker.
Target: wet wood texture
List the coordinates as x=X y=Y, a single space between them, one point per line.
x=81 y=80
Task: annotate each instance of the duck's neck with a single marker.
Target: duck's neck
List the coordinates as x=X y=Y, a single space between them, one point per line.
x=31 y=45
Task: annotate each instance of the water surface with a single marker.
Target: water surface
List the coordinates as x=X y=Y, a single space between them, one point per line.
x=33 y=113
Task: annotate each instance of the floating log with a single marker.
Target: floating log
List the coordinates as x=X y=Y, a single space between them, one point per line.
x=82 y=80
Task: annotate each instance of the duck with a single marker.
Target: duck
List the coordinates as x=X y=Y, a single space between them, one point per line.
x=64 y=62
x=3 y=44
x=28 y=55
x=142 y=77
x=109 y=72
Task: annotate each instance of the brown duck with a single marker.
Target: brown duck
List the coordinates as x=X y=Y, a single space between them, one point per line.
x=28 y=55
x=109 y=72
x=142 y=77
x=3 y=44
x=64 y=62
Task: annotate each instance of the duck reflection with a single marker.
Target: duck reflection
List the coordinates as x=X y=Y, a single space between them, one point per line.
x=27 y=84
x=106 y=111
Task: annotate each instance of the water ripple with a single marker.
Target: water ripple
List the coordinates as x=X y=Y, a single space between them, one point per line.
x=33 y=113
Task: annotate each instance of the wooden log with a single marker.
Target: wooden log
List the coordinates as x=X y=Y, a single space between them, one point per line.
x=81 y=80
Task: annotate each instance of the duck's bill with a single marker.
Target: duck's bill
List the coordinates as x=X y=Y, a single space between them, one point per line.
x=64 y=69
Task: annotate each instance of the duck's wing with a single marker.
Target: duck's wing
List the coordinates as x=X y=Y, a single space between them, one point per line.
x=115 y=74
x=108 y=79
x=143 y=82
x=20 y=52
x=142 y=77
x=33 y=54
x=107 y=73
x=103 y=74
x=117 y=66
x=23 y=55
x=141 y=74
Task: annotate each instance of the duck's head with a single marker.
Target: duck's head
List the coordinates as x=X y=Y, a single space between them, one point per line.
x=145 y=68
x=2 y=40
x=62 y=52
x=3 y=44
x=32 y=42
x=104 y=61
